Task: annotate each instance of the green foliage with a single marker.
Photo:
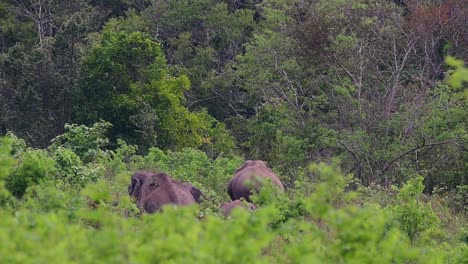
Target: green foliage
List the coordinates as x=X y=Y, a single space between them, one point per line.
x=315 y=222
x=46 y=198
x=413 y=216
x=288 y=208
x=125 y=80
x=335 y=230
x=446 y=122
x=85 y=142
x=71 y=170
x=193 y=166
x=35 y=166
x=116 y=160
x=31 y=110
x=460 y=75
x=6 y=160
x=13 y=29
x=130 y=74
x=162 y=85
x=6 y=165
x=460 y=199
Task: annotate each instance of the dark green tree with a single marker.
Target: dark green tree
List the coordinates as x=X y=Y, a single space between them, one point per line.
x=125 y=80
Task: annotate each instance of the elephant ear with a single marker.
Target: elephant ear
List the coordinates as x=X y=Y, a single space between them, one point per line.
x=229 y=190
x=196 y=193
x=136 y=184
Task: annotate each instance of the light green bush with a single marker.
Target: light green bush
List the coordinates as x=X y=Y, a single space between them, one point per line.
x=86 y=142
x=314 y=222
x=413 y=216
x=71 y=170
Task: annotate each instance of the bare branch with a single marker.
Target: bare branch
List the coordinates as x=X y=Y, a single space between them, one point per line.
x=387 y=166
x=352 y=154
x=229 y=103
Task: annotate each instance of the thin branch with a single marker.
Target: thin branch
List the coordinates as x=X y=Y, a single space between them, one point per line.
x=227 y=101
x=354 y=156
x=387 y=166
x=201 y=100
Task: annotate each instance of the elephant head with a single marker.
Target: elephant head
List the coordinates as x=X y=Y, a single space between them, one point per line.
x=155 y=190
x=136 y=182
x=227 y=208
x=249 y=177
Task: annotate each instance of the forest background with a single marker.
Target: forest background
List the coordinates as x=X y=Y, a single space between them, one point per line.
x=371 y=93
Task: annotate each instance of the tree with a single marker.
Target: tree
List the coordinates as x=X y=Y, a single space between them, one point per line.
x=125 y=80
x=200 y=38
x=31 y=95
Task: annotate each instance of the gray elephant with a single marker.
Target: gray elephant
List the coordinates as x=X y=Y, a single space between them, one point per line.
x=227 y=208
x=152 y=191
x=249 y=177
x=136 y=182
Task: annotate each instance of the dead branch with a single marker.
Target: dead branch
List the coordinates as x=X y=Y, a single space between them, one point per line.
x=387 y=166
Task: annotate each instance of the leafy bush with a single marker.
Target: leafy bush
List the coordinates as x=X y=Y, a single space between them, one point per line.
x=413 y=216
x=6 y=164
x=315 y=222
x=18 y=145
x=289 y=207
x=72 y=172
x=460 y=199
x=46 y=197
x=334 y=230
x=86 y=142
x=34 y=167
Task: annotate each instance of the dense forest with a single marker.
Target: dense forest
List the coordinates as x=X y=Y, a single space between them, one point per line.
x=360 y=107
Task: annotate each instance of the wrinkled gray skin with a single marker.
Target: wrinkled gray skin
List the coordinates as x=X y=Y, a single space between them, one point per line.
x=250 y=171
x=152 y=191
x=227 y=208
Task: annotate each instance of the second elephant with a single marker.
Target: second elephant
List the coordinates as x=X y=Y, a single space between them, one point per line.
x=248 y=178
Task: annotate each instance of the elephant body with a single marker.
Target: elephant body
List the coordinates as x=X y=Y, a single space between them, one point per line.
x=249 y=172
x=227 y=208
x=152 y=191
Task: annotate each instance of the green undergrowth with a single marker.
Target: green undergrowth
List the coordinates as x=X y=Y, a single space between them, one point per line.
x=72 y=210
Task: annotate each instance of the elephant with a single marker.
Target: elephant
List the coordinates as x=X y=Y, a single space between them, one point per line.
x=153 y=190
x=227 y=208
x=251 y=171
x=136 y=181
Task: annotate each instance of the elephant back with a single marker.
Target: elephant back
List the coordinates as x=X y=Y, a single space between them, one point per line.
x=248 y=172
x=227 y=208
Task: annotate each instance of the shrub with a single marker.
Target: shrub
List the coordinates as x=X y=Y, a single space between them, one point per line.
x=85 y=141
x=460 y=199
x=72 y=172
x=413 y=216
x=6 y=164
x=35 y=166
